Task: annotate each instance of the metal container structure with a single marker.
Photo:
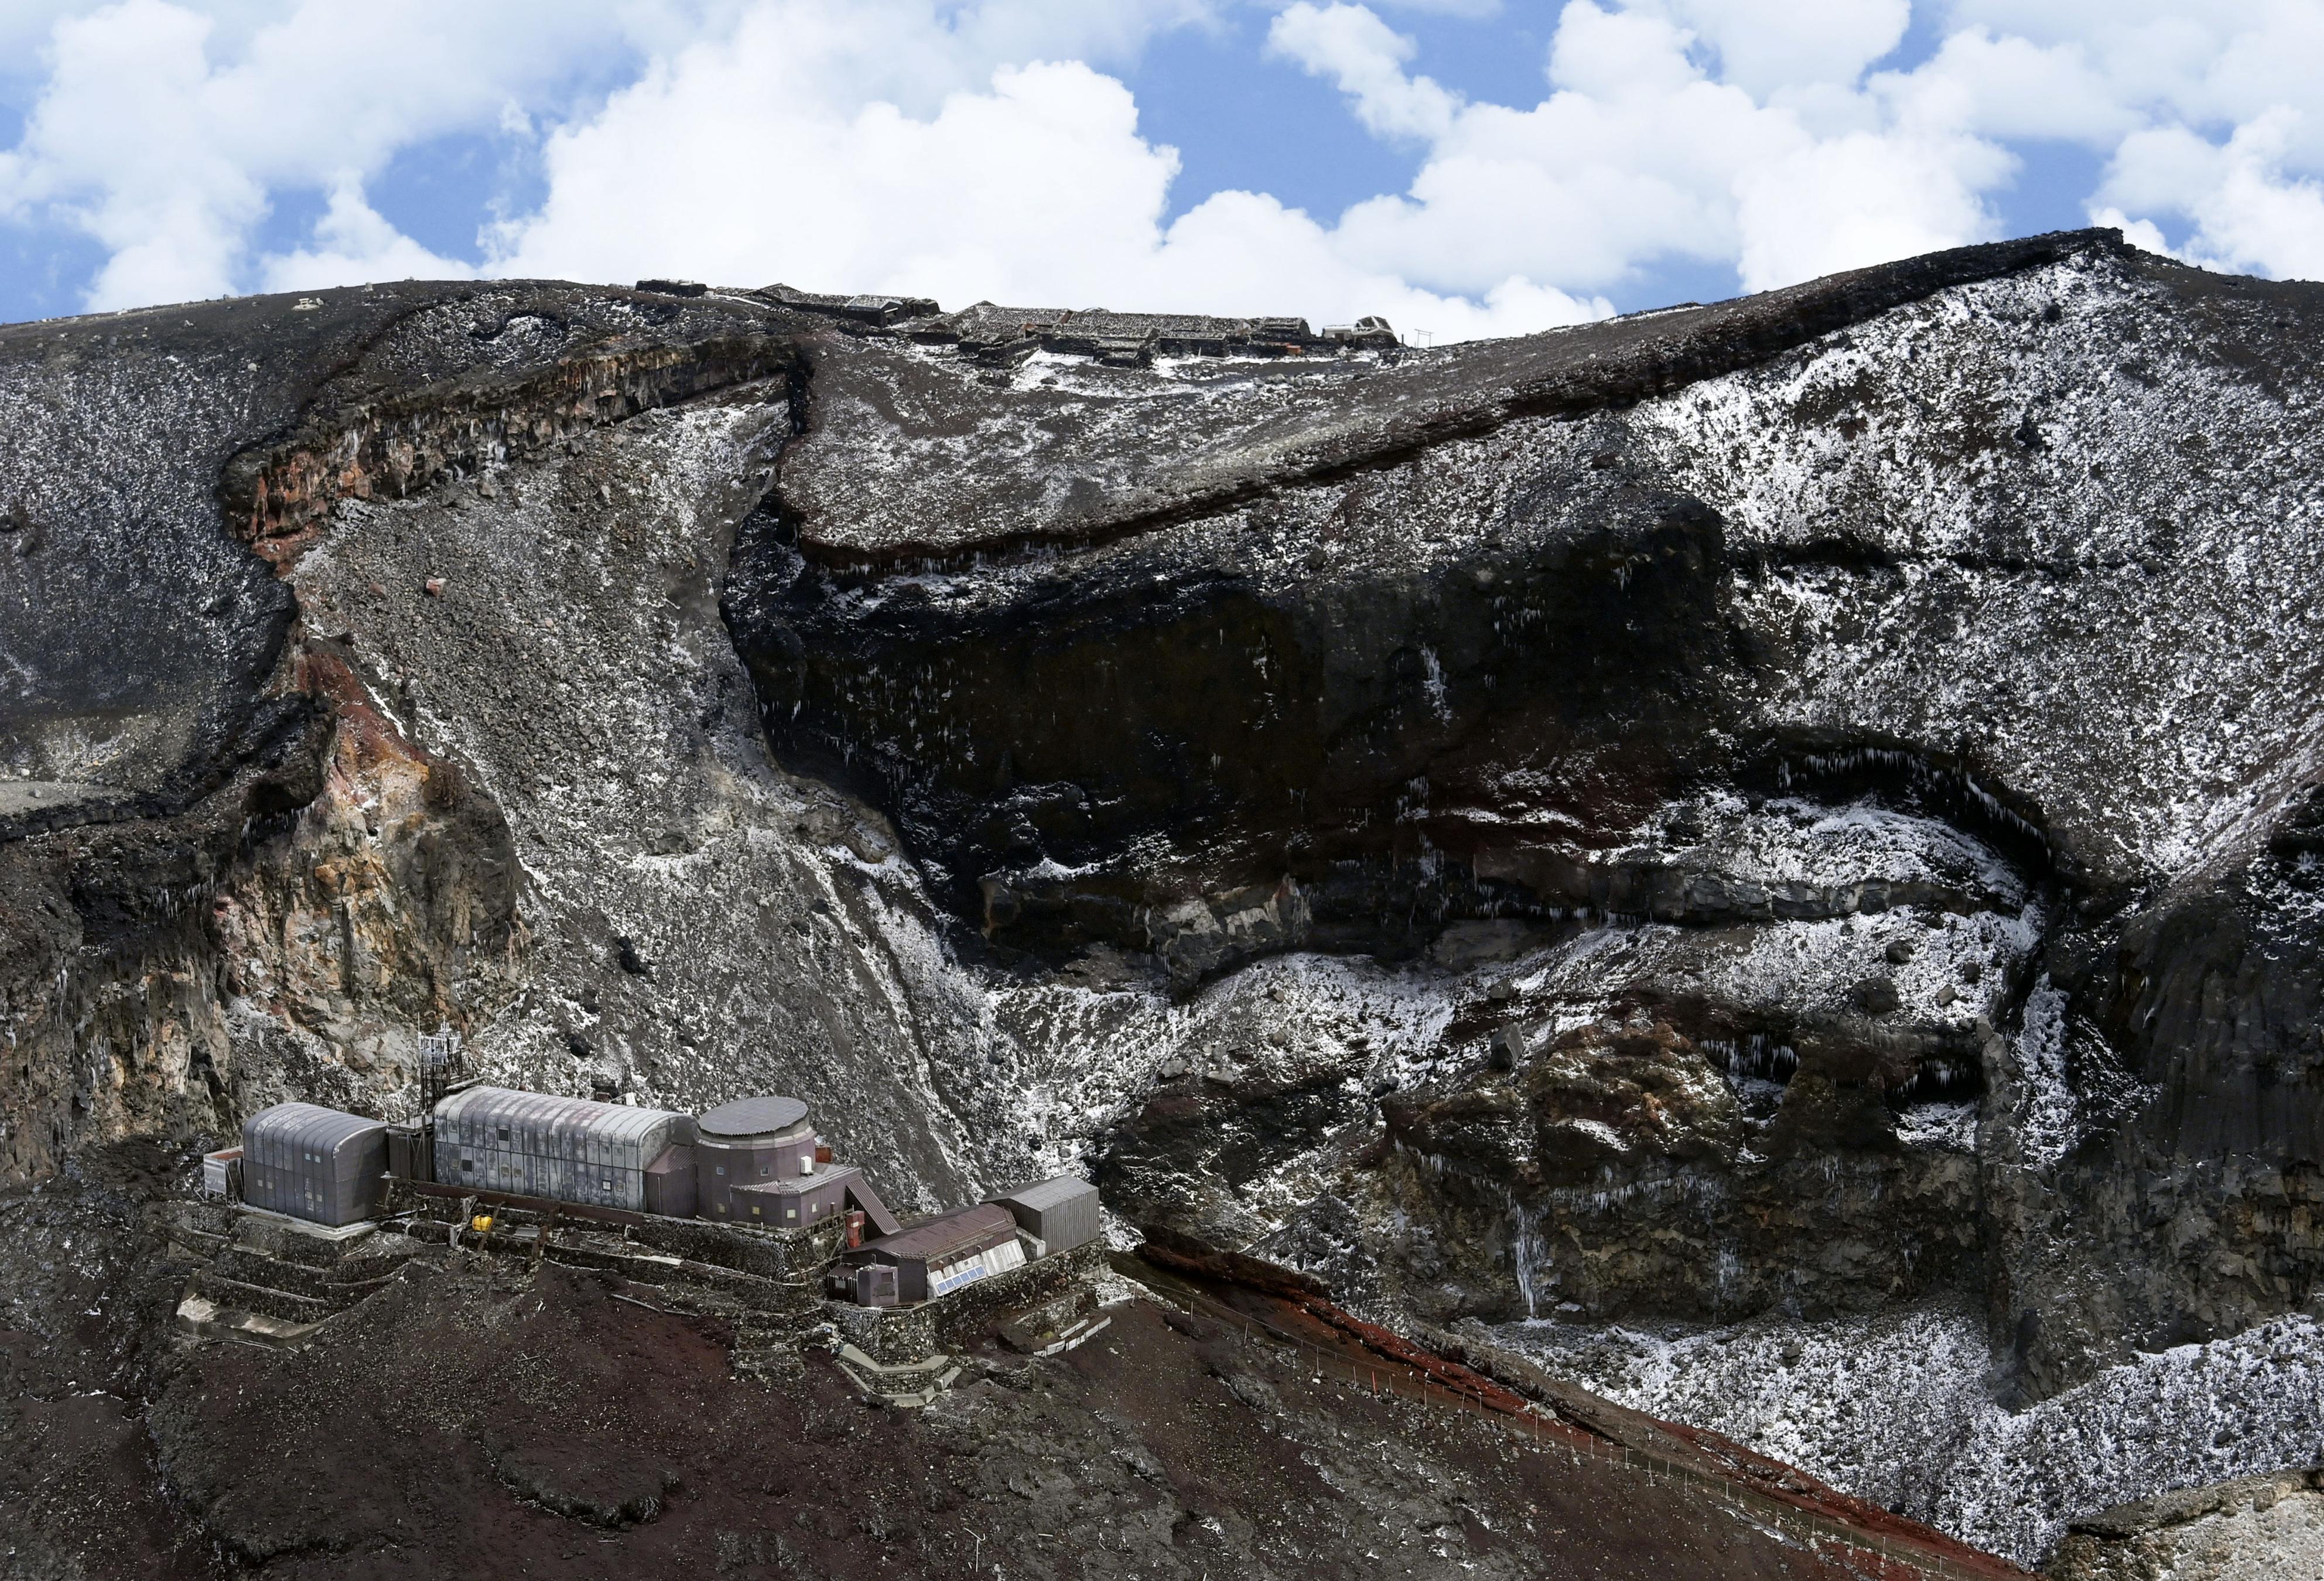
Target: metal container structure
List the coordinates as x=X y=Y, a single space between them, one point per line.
x=313 y=1163
x=870 y=1284
x=407 y=1150
x=222 y=1172
x=944 y=1254
x=1061 y=1213
x=568 y=1150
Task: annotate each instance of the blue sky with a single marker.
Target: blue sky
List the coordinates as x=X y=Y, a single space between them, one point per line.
x=1463 y=167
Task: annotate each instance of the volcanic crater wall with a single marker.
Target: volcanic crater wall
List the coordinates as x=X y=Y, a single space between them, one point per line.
x=1799 y=810
x=1871 y=734
x=463 y=742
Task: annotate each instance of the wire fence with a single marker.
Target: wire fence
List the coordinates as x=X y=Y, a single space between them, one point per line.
x=1537 y=1432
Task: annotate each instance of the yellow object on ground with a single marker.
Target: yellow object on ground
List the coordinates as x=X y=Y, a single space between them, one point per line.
x=482 y=1223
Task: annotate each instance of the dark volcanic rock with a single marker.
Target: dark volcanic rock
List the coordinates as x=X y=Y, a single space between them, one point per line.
x=1812 y=647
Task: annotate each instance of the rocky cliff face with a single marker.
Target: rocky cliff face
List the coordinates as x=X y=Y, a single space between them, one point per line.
x=1793 y=818
x=1895 y=728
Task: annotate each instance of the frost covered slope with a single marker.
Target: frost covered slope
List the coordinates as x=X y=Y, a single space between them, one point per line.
x=1855 y=798
x=1895 y=1408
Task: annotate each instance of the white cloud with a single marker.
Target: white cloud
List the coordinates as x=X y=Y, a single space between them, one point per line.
x=1240 y=252
x=1768 y=48
x=1843 y=202
x=755 y=157
x=163 y=131
x=115 y=144
x=1618 y=54
x=1639 y=155
x=353 y=243
x=2213 y=117
x=980 y=148
x=1365 y=57
x=2251 y=210
x=2010 y=87
x=1760 y=132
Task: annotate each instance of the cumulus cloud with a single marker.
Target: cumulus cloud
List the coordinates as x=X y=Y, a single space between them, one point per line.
x=1366 y=56
x=1641 y=154
x=351 y=242
x=758 y=155
x=2212 y=118
x=966 y=149
x=1767 y=133
x=164 y=132
x=1770 y=50
x=2250 y=208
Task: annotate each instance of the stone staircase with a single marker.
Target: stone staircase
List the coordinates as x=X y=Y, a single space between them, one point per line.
x=263 y=1276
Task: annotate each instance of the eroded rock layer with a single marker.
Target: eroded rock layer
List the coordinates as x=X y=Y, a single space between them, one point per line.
x=1881 y=755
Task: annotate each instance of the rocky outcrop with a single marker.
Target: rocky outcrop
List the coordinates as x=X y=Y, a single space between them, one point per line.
x=2265 y=1527
x=239 y=875
x=1778 y=664
x=1869 y=759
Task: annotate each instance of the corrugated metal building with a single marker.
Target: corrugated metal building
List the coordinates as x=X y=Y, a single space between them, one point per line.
x=932 y=1259
x=573 y=1150
x=1061 y=1213
x=313 y=1163
x=794 y=1204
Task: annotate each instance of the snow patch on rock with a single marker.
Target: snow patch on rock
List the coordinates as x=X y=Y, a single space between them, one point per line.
x=1895 y=1409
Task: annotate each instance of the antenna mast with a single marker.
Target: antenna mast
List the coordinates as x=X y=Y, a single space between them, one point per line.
x=439 y=1058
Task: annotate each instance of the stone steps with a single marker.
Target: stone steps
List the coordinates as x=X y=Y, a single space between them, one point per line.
x=223 y=1291
x=343 y=1286
x=908 y=1385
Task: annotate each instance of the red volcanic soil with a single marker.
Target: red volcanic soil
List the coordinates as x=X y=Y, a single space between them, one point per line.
x=477 y=1423
x=478 y=1419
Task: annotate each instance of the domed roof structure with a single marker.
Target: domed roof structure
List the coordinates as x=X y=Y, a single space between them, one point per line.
x=752 y=1118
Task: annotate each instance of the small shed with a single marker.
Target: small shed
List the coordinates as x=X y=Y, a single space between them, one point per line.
x=932 y=1258
x=222 y=1172
x=1061 y=1213
x=313 y=1163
